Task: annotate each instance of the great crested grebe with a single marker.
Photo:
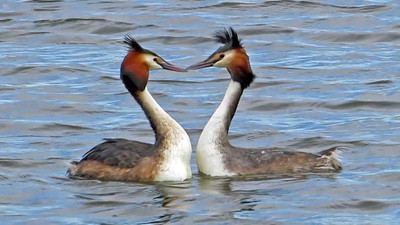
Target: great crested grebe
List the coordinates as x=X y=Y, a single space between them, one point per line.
x=215 y=156
x=168 y=159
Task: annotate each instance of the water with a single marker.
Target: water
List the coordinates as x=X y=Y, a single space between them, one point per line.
x=327 y=75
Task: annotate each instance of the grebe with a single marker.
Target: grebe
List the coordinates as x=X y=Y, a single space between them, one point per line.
x=168 y=159
x=215 y=156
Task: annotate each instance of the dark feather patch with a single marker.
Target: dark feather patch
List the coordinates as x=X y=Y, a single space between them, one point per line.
x=229 y=38
x=132 y=43
x=120 y=152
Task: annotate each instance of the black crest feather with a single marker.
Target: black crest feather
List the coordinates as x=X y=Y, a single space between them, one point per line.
x=229 y=38
x=132 y=43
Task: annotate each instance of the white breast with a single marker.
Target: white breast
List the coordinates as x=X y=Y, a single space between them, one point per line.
x=208 y=156
x=176 y=164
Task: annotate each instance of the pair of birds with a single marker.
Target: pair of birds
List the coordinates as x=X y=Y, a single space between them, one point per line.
x=168 y=159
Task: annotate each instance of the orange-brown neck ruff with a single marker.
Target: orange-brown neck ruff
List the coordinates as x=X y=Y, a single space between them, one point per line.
x=240 y=68
x=135 y=68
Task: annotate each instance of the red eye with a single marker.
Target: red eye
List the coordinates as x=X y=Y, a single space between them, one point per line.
x=155 y=59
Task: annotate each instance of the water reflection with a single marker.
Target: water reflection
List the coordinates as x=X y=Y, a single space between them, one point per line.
x=177 y=196
x=256 y=184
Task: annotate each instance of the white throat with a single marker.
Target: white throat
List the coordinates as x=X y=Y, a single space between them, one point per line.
x=214 y=140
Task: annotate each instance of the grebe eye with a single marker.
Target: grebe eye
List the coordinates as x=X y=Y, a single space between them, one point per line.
x=221 y=56
x=155 y=59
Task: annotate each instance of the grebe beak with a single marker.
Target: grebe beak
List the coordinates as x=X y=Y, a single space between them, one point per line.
x=168 y=66
x=200 y=65
x=210 y=61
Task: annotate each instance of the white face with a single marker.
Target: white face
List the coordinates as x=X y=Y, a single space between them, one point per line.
x=228 y=58
x=150 y=60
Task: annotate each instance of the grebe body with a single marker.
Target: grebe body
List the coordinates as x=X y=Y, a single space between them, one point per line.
x=215 y=155
x=168 y=159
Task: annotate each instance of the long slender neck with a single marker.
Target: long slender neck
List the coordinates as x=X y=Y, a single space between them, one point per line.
x=172 y=143
x=163 y=125
x=218 y=126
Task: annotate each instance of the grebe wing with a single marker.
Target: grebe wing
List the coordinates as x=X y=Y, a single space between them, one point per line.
x=120 y=152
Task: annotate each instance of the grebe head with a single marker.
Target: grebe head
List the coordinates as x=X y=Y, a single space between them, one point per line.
x=137 y=64
x=231 y=55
